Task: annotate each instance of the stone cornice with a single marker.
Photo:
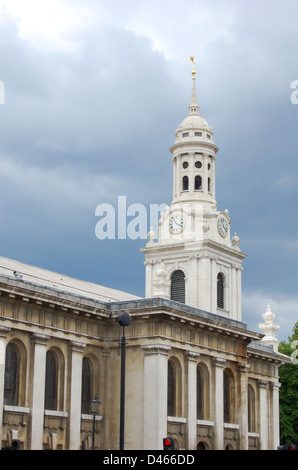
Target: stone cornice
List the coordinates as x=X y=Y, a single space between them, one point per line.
x=53 y=298
x=263 y=352
x=192 y=143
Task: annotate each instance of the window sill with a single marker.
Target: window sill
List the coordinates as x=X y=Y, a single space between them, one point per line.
x=90 y=417
x=16 y=409
x=231 y=426
x=222 y=311
x=56 y=414
x=175 y=419
x=204 y=422
x=253 y=434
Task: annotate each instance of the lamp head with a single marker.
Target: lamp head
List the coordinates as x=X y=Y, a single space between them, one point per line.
x=124 y=319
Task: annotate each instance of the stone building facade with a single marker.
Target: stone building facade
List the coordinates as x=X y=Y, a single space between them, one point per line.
x=194 y=371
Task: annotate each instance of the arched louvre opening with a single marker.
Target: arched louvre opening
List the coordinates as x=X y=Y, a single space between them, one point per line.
x=86 y=387
x=220 y=291
x=198 y=182
x=51 y=385
x=11 y=380
x=178 y=286
x=185 y=183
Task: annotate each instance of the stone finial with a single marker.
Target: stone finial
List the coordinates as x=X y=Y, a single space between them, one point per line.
x=236 y=241
x=269 y=328
x=151 y=235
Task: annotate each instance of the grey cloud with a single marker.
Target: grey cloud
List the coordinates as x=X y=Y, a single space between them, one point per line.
x=86 y=123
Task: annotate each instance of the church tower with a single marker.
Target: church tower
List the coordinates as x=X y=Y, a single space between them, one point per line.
x=194 y=260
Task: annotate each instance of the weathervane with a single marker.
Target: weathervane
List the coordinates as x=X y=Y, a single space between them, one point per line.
x=193 y=69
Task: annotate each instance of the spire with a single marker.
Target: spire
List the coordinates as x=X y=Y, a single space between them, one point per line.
x=193 y=108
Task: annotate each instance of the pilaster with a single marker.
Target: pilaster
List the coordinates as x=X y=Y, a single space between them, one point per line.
x=39 y=342
x=218 y=408
x=263 y=414
x=243 y=406
x=274 y=418
x=76 y=351
x=4 y=331
x=155 y=395
x=192 y=361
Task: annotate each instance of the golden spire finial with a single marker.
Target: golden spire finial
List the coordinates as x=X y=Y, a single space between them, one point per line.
x=193 y=68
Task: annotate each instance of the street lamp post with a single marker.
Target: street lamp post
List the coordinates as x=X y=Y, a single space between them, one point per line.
x=123 y=320
x=95 y=404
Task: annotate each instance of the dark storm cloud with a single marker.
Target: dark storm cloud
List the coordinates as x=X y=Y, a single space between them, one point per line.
x=92 y=115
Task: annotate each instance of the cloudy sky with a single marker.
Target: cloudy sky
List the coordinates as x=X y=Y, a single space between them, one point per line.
x=94 y=92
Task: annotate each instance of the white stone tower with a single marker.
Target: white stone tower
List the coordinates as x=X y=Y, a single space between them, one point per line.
x=194 y=260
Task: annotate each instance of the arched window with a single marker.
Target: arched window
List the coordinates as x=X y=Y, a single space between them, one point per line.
x=51 y=385
x=201 y=446
x=229 y=396
x=174 y=392
x=220 y=291
x=251 y=402
x=198 y=182
x=178 y=286
x=171 y=389
x=209 y=185
x=203 y=395
x=185 y=183
x=200 y=394
x=227 y=410
x=86 y=386
x=11 y=380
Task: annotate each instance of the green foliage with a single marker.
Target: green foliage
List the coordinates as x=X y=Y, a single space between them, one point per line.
x=288 y=398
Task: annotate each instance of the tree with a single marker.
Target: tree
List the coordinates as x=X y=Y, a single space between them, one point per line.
x=288 y=398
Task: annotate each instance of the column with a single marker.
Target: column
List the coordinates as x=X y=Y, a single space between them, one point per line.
x=192 y=360
x=192 y=292
x=155 y=395
x=38 y=376
x=243 y=406
x=218 y=403
x=204 y=283
x=233 y=284
x=76 y=350
x=213 y=288
x=239 y=307
x=274 y=424
x=178 y=176
x=263 y=414
x=148 y=278
x=3 y=339
x=174 y=160
x=191 y=173
x=205 y=176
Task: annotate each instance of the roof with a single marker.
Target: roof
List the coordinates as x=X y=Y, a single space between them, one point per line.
x=43 y=277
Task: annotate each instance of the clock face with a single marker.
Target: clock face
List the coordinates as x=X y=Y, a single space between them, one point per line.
x=176 y=224
x=222 y=226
